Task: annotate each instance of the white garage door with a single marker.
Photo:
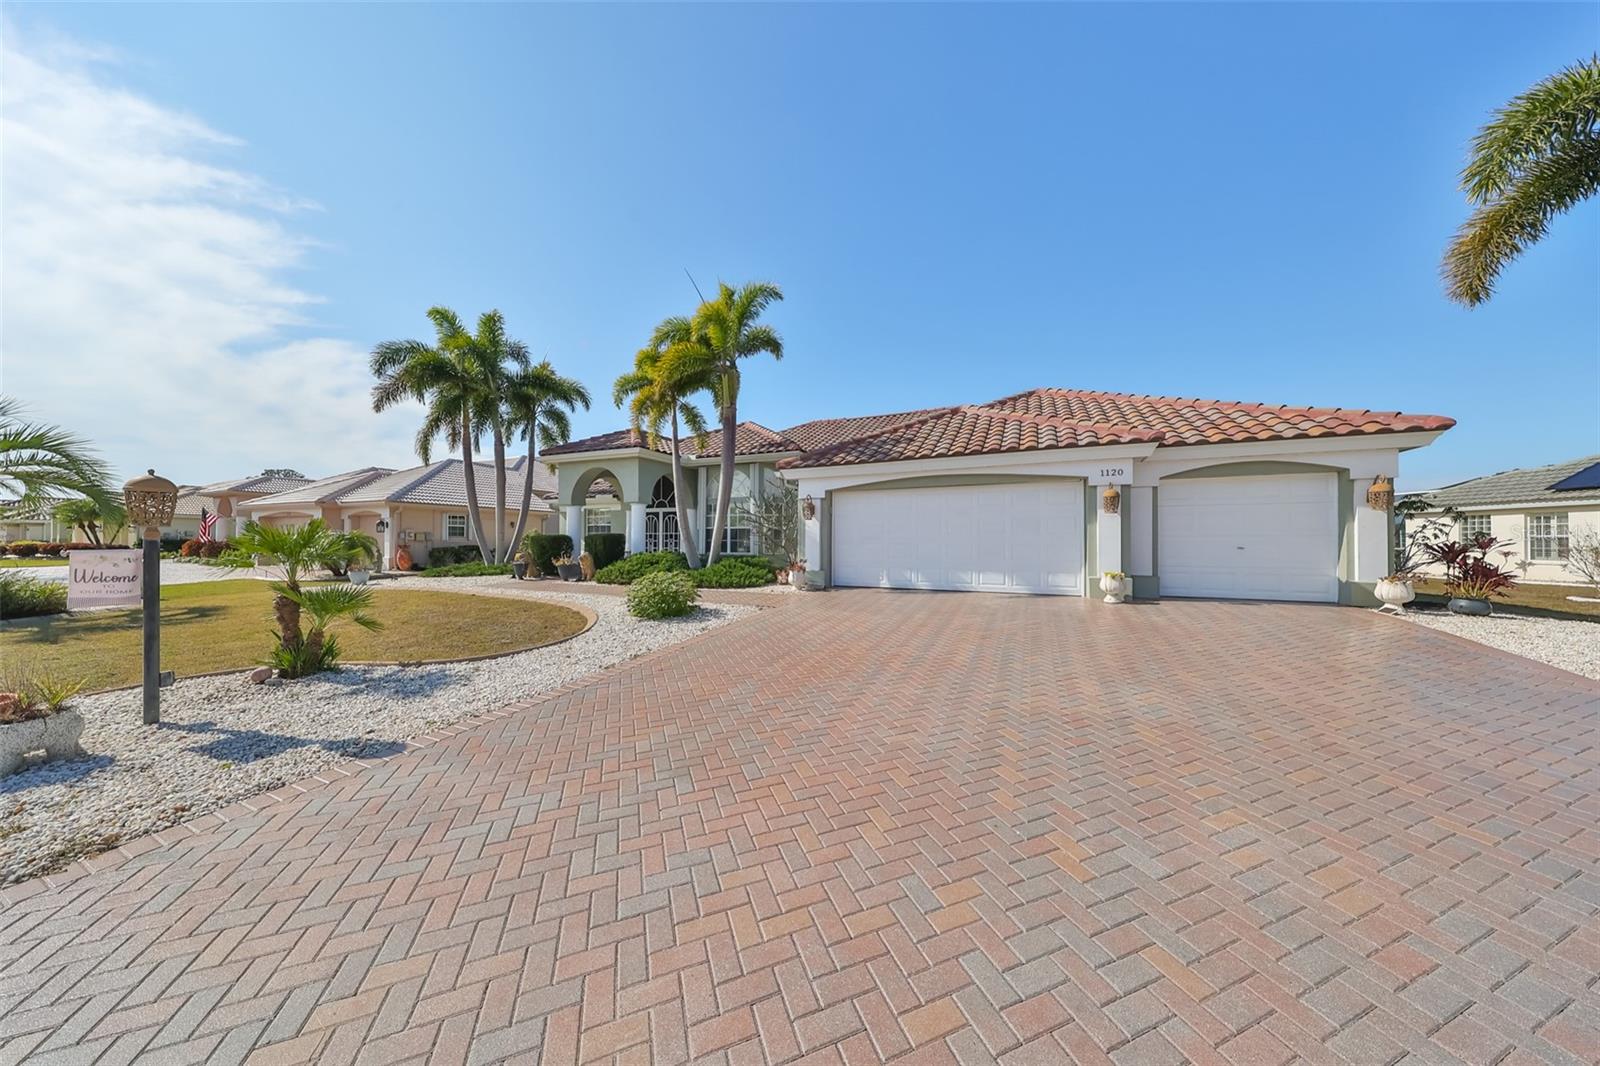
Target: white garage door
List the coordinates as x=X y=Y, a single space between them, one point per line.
x=975 y=538
x=1268 y=538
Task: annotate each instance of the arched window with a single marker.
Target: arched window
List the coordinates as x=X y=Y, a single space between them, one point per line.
x=661 y=495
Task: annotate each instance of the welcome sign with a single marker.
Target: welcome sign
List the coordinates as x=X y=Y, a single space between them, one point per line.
x=104 y=579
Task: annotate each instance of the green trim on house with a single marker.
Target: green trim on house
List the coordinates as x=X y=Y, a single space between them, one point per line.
x=1091 y=542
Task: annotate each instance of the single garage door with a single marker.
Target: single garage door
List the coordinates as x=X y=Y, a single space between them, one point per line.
x=973 y=538
x=1258 y=538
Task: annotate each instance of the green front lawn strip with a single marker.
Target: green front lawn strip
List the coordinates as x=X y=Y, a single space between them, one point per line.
x=227 y=625
x=1541 y=598
x=9 y=564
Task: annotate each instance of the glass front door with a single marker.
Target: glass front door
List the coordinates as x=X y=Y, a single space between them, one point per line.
x=661 y=530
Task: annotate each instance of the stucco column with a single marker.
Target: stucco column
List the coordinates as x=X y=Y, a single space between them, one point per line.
x=1108 y=534
x=389 y=539
x=1372 y=560
x=575 y=529
x=635 y=527
x=811 y=540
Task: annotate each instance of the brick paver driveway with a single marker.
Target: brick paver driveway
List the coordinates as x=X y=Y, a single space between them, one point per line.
x=873 y=825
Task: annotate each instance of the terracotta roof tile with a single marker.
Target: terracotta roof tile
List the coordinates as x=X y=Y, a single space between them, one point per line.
x=750 y=438
x=822 y=432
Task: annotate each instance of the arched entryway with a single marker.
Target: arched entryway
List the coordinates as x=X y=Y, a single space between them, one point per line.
x=661 y=531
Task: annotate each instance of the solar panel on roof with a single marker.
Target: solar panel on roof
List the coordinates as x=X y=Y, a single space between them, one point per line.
x=1587 y=478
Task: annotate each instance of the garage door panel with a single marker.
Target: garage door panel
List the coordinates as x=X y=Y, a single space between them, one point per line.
x=998 y=538
x=1250 y=538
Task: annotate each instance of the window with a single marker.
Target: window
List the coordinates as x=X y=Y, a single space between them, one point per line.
x=1547 y=538
x=1474 y=526
x=596 y=520
x=455 y=526
x=738 y=538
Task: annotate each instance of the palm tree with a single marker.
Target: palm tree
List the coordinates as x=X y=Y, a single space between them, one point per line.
x=1538 y=157
x=293 y=550
x=326 y=605
x=655 y=397
x=39 y=461
x=445 y=376
x=99 y=521
x=537 y=401
x=724 y=330
x=497 y=357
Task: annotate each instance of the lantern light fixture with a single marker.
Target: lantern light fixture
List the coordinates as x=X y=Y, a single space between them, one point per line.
x=149 y=502
x=1110 y=499
x=809 y=508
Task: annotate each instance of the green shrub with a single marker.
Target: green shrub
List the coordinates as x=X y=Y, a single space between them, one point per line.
x=736 y=572
x=662 y=594
x=627 y=571
x=26 y=597
x=450 y=554
x=605 y=548
x=543 y=548
x=24 y=549
x=465 y=569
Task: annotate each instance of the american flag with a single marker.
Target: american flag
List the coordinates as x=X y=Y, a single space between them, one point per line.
x=208 y=522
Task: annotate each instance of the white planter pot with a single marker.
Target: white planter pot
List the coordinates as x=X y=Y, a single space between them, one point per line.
x=359 y=577
x=1115 y=588
x=57 y=735
x=1396 y=594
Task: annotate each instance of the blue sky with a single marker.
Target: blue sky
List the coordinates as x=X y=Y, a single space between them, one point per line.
x=1233 y=201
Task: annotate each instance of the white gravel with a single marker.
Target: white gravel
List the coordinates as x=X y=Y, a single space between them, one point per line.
x=1564 y=643
x=222 y=739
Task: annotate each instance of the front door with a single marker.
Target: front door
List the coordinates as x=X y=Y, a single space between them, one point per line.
x=661 y=529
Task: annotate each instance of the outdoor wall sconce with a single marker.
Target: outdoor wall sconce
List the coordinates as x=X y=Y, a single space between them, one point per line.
x=1381 y=494
x=1110 y=499
x=809 y=508
x=383 y=525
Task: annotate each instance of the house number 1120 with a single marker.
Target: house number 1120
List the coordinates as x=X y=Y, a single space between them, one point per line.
x=1113 y=471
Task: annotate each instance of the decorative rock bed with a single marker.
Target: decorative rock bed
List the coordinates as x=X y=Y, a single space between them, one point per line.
x=222 y=739
x=1570 y=644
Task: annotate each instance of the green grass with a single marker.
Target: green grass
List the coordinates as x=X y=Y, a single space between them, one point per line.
x=1541 y=598
x=11 y=564
x=226 y=625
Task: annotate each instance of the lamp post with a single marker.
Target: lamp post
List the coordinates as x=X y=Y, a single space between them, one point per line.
x=149 y=502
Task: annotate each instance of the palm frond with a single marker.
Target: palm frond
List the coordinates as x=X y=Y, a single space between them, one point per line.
x=1535 y=124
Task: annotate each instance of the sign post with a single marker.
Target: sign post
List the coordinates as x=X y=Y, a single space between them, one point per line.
x=149 y=502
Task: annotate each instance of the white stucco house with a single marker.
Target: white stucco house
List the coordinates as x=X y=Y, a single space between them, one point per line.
x=1042 y=492
x=1534 y=511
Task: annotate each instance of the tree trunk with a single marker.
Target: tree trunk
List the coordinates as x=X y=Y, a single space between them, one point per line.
x=499 y=492
x=287 y=613
x=469 y=473
x=685 y=533
x=730 y=429
x=527 y=487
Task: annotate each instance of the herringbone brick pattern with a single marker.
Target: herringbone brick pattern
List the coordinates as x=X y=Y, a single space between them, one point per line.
x=879 y=826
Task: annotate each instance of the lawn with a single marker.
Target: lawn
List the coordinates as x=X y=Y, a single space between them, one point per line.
x=1551 y=598
x=10 y=564
x=225 y=625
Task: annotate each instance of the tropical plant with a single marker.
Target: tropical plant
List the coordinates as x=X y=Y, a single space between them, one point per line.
x=100 y=520
x=724 y=330
x=543 y=548
x=39 y=462
x=293 y=551
x=28 y=597
x=323 y=606
x=1412 y=544
x=1469 y=574
x=350 y=549
x=448 y=377
x=657 y=392
x=537 y=403
x=1538 y=157
x=664 y=594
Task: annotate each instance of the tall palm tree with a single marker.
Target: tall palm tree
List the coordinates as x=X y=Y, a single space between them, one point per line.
x=497 y=358
x=99 y=522
x=1538 y=157
x=445 y=376
x=537 y=401
x=724 y=330
x=39 y=462
x=654 y=397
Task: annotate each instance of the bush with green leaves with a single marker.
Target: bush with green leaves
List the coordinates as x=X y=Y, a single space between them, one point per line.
x=627 y=571
x=663 y=594
x=451 y=554
x=736 y=572
x=28 y=597
x=25 y=549
x=466 y=570
x=605 y=548
x=543 y=548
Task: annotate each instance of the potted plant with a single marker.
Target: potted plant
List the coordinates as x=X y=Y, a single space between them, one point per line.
x=352 y=553
x=796 y=574
x=1470 y=578
x=1412 y=549
x=519 y=565
x=567 y=568
x=36 y=717
x=1114 y=583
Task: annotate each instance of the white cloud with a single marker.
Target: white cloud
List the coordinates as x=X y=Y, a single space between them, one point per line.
x=144 y=303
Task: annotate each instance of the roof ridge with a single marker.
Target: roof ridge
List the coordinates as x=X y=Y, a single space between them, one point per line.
x=1065 y=423
x=937 y=412
x=1201 y=401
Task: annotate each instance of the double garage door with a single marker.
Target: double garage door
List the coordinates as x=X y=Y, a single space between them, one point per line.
x=1270 y=538
x=1024 y=537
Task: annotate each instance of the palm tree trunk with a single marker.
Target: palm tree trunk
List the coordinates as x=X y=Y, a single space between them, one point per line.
x=287 y=613
x=685 y=533
x=469 y=474
x=527 y=487
x=730 y=429
x=499 y=492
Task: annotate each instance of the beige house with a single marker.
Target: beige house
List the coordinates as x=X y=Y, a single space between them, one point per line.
x=1534 y=512
x=37 y=522
x=420 y=507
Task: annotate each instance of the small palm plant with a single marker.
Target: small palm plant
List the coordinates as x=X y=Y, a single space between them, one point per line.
x=324 y=605
x=351 y=549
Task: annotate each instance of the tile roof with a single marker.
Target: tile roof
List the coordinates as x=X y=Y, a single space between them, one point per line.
x=822 y=432
x=191 y=499
x=263 y=486
x=1071 y=418
x=1529 y=485
x=750 y=438
x=324 y=489
x=444 y=484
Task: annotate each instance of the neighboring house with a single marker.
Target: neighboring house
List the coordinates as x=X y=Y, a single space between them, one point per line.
x=1534 y=510
x=34 y=522
x=226 y=499
x=419 y=507
x=1212 y=498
